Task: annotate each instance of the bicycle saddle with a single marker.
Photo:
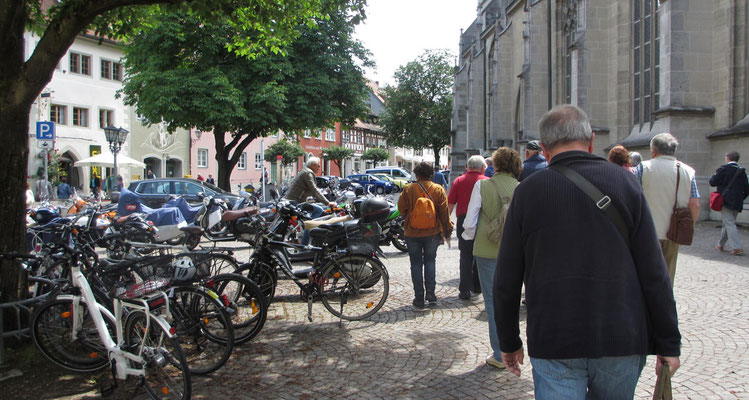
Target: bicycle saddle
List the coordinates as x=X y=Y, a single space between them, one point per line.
x=109 y=264
x=337 y=222
x=192 y=229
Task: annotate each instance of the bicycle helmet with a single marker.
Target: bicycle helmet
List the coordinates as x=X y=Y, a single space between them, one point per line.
x=184 y=269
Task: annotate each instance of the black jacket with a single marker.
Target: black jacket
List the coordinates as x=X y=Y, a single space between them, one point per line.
x=733 y=197
x=588 y=294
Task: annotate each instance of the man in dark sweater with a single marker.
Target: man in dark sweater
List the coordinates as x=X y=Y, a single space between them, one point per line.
x=596 y=306
x=732 y=183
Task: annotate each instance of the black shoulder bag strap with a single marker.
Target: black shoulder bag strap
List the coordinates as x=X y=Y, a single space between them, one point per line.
x=733 y=178
x=601 y=200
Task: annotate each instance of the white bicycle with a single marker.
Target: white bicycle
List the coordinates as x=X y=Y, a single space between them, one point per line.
x=76 y=332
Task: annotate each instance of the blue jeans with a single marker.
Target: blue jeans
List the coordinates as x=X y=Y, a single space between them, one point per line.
x=486 y=267
x=423 y=254
x=609 y=378
x=314 y=213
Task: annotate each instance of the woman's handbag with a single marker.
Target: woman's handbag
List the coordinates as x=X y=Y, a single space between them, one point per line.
x=681 y=227
x=716 y=201
x=662 y=389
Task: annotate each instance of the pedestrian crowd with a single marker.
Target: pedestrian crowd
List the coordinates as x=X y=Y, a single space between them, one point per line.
x=589 y=245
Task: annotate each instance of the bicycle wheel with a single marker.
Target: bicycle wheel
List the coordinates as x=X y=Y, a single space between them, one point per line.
x=354 y=286
x=166 y=373
x=264 y=275
x=246 y=302
x=204 y=330
x=222 y=264
x=52 y=330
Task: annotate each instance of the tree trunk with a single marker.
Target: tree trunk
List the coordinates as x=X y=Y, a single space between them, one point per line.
x=436 y=156
x=13 y=165
x=224 y=160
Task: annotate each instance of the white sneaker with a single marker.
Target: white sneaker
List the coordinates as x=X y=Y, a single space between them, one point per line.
x=494 y=362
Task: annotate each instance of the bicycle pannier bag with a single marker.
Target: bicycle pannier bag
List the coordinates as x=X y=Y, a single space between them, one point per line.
x=424 y=214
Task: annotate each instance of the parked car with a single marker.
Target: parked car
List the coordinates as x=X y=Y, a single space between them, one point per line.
x=396 y=173
x=399 y=184
x=372 y=183
x=155 y=192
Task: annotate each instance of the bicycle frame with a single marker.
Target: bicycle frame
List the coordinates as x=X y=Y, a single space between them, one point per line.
x=116 y=354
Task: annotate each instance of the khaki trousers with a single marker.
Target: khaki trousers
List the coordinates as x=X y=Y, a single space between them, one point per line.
x=670 y=251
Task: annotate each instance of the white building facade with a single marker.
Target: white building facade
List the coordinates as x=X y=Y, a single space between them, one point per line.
x=80 y=100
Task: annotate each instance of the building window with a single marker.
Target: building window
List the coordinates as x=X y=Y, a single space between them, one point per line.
x=57 y=114
x=80 y=63
x=646 y=61
x=202 y=158
x=330 y=135
x=258 y=162
x=111 y=70
x=570 y=25
x=106 y=118
x=80 y=116
x=242 y=163
x=307 y=133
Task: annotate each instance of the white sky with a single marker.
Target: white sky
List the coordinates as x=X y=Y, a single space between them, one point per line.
x=398 y=31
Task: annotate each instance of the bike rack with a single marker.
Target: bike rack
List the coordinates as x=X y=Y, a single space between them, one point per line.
x=18 y=307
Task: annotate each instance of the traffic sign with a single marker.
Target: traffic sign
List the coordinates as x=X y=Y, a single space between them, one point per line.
x=45 y=130
x=45 y=144
x=279 y=157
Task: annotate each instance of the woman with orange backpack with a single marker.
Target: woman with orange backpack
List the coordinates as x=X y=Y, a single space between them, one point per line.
x=427 y=225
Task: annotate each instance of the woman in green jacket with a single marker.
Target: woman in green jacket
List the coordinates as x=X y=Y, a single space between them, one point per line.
x=484 y=221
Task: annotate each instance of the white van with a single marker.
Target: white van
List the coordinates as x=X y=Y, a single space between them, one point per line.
x=397 y=173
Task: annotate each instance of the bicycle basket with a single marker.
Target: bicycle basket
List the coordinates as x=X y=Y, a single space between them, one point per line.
x=128 y=279
x=363 y=238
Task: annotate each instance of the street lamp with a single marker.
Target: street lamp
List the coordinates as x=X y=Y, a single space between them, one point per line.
x=116 y=137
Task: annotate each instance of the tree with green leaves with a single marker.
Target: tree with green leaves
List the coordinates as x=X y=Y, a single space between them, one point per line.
x=376 y=155
x=181 y=72
x=337 y=154
x=419 y=107
x=259 y=26
x=288 y=150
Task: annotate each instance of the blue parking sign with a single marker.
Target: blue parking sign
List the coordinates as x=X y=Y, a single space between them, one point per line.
x=45 y=130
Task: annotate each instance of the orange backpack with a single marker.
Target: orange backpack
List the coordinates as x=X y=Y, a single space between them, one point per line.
x=424 y=214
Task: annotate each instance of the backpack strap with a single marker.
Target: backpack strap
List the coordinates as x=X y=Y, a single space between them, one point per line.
x=425 y=191
x=439 y=223
x=733 y=178
x=496 y=192
x=602 y=201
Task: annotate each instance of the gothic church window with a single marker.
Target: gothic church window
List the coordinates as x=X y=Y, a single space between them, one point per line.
x=646 y=61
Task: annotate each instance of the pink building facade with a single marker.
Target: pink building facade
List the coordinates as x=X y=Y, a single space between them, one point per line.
x=249 y=168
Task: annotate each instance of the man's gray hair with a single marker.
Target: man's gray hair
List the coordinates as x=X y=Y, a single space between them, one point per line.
x=564 y=124
x=476 y=163
x=312 y=161
x=635 y=158
x=664 y=144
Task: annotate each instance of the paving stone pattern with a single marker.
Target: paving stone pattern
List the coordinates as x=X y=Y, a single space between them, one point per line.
x=439 y=352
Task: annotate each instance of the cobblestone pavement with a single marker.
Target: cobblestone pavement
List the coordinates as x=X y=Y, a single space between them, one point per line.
x=439 y=352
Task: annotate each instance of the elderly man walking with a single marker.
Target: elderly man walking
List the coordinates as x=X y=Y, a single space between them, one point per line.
x=598 y=294
x=733 y=185
x=303 y=186
x=658 y=177
x=460 y=195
